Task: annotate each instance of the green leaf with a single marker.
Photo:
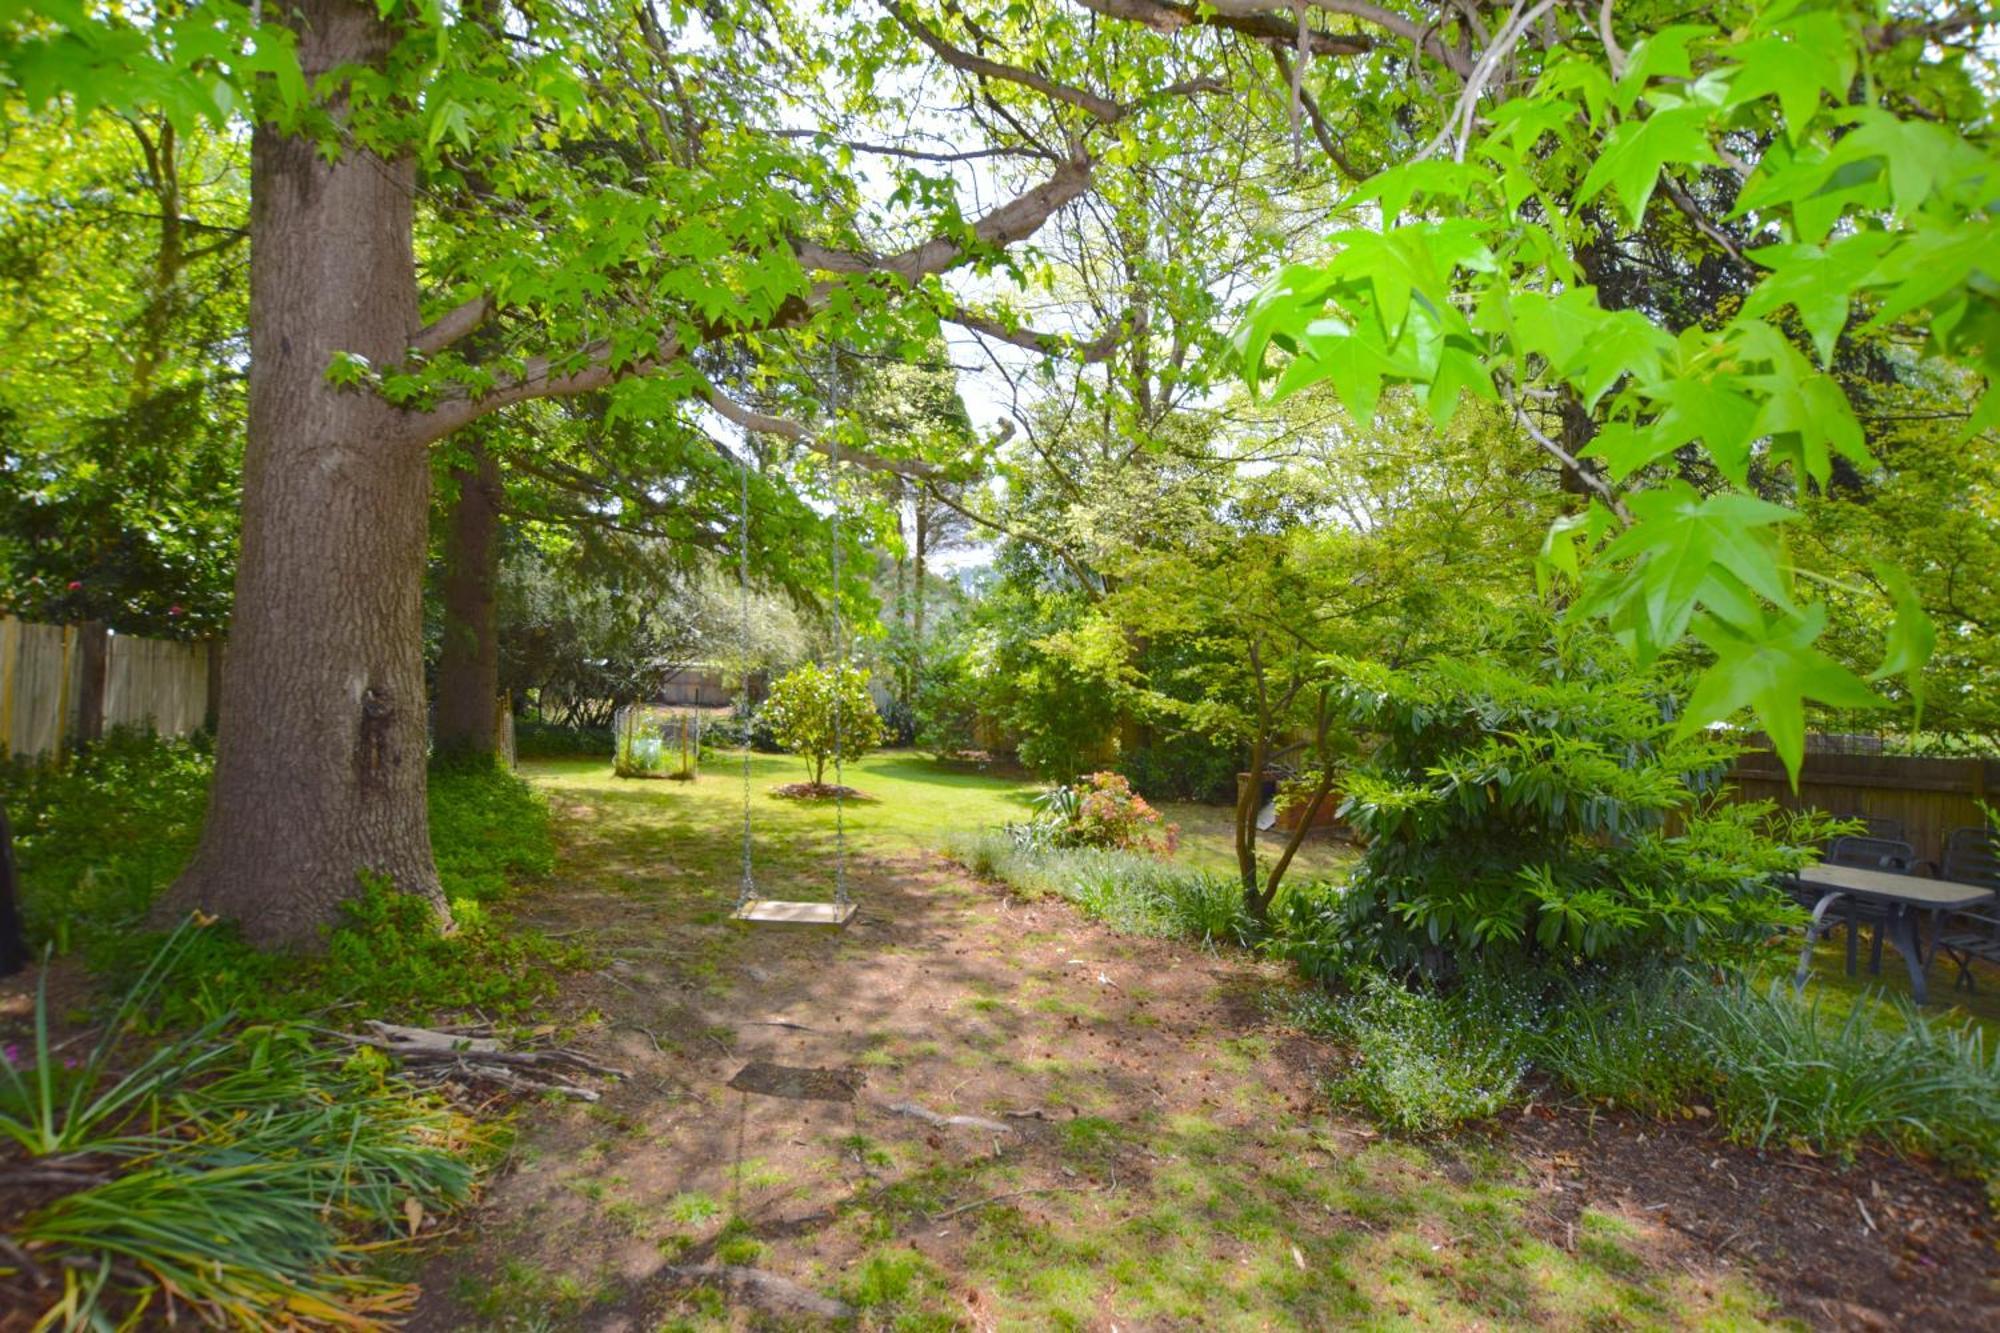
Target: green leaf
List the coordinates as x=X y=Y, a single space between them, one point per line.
x=1635 y=152
x=1772 y=676
x=1663 y=54
x=1818 y=282
x=1680 y=542
x=1907 y=648
x=1810 y=57
x=1713 y=409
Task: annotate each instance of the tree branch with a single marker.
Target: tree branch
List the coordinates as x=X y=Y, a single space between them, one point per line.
x=1253 y=18
x=540 y=377
x=762 y=423
x=453 y=325
x=1096 y=105
x=1012 y=221
x=1048 y=344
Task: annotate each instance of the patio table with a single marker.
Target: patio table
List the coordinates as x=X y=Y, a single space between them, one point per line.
x=1904 y=896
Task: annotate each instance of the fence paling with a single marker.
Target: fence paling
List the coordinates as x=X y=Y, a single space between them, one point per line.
x=143 y=682
x=1927 y=797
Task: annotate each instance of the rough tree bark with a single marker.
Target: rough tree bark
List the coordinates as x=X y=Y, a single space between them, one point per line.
x=320 y=744
x=468 y=679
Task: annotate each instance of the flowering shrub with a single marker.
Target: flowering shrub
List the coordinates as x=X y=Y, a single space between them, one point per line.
x=1108 y=813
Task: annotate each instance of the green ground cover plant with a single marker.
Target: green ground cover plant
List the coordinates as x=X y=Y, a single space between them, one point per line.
x=102 y=834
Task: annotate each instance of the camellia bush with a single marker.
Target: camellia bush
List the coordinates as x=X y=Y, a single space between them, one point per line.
x=823 y=714
x=1552 y=821
x=1100 y=811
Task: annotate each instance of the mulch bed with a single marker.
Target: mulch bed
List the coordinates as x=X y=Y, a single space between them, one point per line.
x=1878 y=1243
x=818 y=791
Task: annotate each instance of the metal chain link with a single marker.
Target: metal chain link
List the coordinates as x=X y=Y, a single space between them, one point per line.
x=839 y=658
x=747 y=889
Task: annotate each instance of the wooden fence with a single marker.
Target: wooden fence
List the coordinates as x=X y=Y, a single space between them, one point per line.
x=1927 y=798
x=58 y=682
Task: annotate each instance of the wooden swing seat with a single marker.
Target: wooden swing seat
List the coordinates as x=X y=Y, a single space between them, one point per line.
x=773 y=910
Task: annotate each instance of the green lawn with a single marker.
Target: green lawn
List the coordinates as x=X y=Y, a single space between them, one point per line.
x=915 y=804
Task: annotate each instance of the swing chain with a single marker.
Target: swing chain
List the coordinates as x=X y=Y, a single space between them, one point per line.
x=746 y=890
x=839 y=655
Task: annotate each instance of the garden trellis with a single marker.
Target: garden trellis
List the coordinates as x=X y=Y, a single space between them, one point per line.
x=649 y=744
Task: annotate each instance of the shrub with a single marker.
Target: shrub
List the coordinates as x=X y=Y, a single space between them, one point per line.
x=1309 y=931
x=947 y=705
x=1186 y=768
x=1110 y=814
x=1528 y=819
x=547 y=740
x=899 y=724
x=97 y=837
x=823 y=715
x=1100 y=811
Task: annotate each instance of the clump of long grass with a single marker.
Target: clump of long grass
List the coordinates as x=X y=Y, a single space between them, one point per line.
x=1785 y=1071
x=1131 y=892
x=1623 y=1037
x=230 y=1175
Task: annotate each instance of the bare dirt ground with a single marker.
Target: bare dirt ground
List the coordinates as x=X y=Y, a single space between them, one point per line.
x=969 y=1111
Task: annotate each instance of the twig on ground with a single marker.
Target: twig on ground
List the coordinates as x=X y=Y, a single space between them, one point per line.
x=1002 y=1198
x=759 y=1287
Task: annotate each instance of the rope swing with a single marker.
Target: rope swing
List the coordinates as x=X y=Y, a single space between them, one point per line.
x=750 y=907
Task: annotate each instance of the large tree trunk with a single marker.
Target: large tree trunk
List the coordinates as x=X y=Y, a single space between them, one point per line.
x=320 y=749
x=468 y=678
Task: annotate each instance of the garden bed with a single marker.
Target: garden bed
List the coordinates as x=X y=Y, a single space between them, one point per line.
x=1880 y=1242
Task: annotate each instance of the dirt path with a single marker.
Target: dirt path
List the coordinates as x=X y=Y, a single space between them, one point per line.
x=1140 y=1146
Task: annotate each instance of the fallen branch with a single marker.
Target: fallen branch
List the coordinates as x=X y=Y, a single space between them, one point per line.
x=431 y=1056
x=759 y=1287
x=930 y=1117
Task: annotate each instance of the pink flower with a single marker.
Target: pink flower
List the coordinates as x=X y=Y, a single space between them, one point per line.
x=76 y=585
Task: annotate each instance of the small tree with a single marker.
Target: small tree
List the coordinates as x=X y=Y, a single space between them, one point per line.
x=823 y=713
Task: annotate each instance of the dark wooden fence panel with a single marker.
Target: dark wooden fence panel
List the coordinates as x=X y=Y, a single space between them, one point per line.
x=1928 y=797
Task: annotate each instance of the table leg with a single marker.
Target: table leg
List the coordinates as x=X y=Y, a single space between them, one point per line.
x=1813 y=930
x=1903 y=920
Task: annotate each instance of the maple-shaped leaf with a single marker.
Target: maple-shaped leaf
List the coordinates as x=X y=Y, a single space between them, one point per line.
x=1772 y=676
x=1819 y=282
x=1680 y=541
x=1636 y=151
x=1713 y=409
x=1810 y=56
